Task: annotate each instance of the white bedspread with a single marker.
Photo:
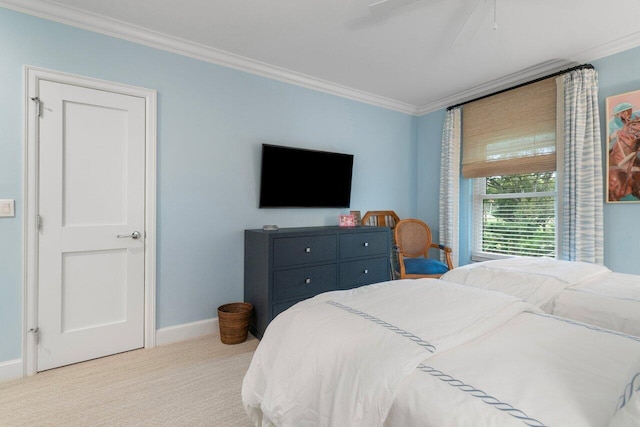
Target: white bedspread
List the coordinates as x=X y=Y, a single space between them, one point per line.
x=577 y=290
x=430 y=353
x=569 y=272
x=628 y=412
x=611 y=300
x=536 y=280
x=546 y=372
x=337 y=359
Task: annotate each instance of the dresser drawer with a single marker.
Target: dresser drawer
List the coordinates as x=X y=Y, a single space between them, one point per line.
x=292 y=264
x=302 y=250
x=364 y=272
x=364 y=244
x=302 y=282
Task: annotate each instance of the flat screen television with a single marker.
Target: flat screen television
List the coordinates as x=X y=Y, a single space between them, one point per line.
x=296 y=177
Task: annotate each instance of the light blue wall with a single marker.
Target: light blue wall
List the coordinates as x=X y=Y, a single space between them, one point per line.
x=211 y=124
x=617 y=74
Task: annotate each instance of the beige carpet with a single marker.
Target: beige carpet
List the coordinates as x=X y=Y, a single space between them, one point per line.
x=192 y=383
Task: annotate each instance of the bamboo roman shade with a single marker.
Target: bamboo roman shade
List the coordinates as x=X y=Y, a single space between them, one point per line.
x=512 y=132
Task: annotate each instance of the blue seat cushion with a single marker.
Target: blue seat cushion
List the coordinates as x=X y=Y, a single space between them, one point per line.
x=424 y=266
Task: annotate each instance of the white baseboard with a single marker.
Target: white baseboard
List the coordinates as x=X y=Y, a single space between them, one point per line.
x=187 y=331
x=11 y=370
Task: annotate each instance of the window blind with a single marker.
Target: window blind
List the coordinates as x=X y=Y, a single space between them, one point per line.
x=519 y=220
x=513 y=132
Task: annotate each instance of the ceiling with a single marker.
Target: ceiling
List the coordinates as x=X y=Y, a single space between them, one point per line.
x=415 y=58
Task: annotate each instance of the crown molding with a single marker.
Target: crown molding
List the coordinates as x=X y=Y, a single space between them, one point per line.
x=115 y=28
x=514 y=79
x=540 y=70
x=610 y=48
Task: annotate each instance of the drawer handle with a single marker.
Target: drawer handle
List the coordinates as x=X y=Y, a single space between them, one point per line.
x=307 y=280
x=366 y=244
x=366 y=272
x=307 y=250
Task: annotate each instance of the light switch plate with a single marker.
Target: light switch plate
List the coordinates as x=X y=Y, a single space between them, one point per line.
x=7 y=208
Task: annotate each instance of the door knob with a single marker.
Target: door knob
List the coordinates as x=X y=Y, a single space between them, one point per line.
x=134 y=235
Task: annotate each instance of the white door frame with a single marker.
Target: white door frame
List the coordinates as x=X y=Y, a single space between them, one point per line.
x=32 y=76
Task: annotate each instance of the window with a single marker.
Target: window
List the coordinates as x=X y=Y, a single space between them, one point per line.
x=509 y=150
x=515 y=215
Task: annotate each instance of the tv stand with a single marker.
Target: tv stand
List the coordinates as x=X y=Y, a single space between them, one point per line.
x=288 y=265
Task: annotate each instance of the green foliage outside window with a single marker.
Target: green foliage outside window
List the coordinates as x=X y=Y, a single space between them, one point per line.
x=523 y=224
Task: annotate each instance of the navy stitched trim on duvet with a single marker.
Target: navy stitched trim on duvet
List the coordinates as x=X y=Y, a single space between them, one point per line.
x=429 y=347
x=629 y=390
x=489 y=400
x=588 y=326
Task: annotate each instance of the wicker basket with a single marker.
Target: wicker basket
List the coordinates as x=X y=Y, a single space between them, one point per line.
x=233 y=319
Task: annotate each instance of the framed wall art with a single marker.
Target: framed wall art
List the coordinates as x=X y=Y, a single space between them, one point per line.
x=623 y=146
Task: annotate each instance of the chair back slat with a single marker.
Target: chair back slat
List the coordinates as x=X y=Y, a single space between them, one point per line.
x=380 y=219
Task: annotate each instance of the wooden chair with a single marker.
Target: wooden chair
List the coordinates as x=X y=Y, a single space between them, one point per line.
x=386 y=219
x=381 y=219
x=413 y=238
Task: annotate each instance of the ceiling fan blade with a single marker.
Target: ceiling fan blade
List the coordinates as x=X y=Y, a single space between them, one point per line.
x=383 y=7
x=472 y=22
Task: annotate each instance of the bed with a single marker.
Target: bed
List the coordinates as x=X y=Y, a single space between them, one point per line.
x=577 y=290
x=426 y=352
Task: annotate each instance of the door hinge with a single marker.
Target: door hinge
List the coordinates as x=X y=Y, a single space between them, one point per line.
x=36 y=334
x=38 y=109
x=38 y=222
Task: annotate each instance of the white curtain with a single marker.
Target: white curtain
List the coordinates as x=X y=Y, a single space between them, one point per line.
x=582 y=205
x=450 y=184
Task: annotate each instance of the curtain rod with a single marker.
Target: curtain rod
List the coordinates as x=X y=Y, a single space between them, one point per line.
x=558 y=73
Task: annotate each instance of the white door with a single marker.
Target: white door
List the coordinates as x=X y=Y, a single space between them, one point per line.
x=90 y=286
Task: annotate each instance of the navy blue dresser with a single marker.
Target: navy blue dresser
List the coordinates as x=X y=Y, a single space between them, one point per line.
x=291 y=264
